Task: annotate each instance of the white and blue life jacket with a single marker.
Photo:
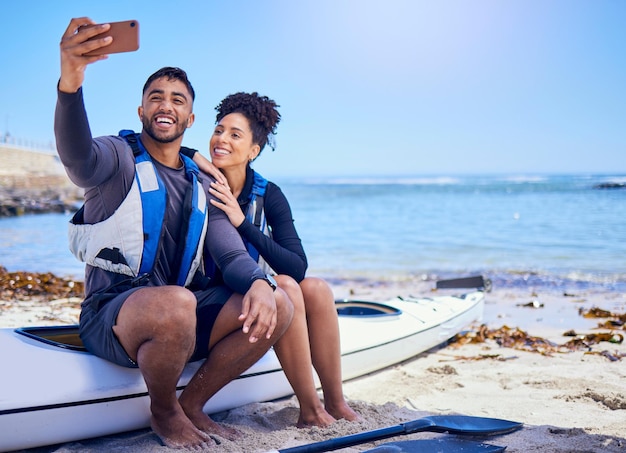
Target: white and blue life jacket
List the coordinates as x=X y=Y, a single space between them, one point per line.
x=128 y=242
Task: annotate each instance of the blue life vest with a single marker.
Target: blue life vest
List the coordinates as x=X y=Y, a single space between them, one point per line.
x=256 y=215
x=140 y=217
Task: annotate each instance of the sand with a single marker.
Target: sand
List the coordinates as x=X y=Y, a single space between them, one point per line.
x=568 y=402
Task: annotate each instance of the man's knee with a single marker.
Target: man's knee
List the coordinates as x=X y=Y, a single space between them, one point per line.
x=167 y=307
x=178 y=305
x=163 y=314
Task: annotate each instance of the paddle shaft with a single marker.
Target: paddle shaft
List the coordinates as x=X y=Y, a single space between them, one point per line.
x=347 y=441
x=422 y=424
x=453 y=424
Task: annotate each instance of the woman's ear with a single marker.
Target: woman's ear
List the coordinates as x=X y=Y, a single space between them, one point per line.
x=254 y=152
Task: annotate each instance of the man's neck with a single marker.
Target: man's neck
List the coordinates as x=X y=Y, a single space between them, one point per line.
x=164 y=153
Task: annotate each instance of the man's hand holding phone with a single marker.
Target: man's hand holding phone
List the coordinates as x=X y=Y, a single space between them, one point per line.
x=85 y=42
x=125 y=38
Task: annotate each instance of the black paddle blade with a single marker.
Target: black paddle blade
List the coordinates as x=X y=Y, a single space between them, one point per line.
x=461 y=424
x=467 y=282
x=443 y=445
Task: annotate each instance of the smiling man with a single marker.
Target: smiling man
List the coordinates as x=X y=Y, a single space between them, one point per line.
x=141 y=232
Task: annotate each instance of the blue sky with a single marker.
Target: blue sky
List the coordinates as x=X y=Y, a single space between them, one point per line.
x=400 y=87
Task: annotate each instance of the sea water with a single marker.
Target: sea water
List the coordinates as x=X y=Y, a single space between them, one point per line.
x=550 y=229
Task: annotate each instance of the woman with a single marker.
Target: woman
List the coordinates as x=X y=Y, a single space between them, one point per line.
x=261 y=214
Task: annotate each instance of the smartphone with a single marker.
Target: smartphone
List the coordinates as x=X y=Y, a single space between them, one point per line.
x=125 y=38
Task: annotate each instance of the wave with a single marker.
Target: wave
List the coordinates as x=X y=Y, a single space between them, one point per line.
x=565 y=282
x=550 y=182
x=382 y=181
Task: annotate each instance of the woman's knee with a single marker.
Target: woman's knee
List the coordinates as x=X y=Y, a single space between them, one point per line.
x=287 y=283
x=315 y=285
x=284 y=306
x=316 y=292
x=293 y=291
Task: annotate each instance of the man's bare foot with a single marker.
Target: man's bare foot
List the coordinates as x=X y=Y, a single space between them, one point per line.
x=342 y=410
x=205 y=424
x=315 y=417
x=176 y=431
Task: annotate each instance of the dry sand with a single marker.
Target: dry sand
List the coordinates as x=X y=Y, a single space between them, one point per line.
x=568 y=402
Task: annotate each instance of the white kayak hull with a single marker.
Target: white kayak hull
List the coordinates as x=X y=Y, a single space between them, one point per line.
x=50 y=395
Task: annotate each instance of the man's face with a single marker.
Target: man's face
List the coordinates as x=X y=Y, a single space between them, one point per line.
x=166 y=110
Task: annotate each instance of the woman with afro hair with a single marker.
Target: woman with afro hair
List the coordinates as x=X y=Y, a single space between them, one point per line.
x=260 y=212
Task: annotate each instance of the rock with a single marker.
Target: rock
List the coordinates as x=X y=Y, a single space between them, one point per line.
x=610 y=185
x=15 y=202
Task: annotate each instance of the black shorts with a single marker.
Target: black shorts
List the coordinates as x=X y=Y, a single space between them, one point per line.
x=97 y=321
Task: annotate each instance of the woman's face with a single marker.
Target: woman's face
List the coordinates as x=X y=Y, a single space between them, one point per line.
x=231 y=144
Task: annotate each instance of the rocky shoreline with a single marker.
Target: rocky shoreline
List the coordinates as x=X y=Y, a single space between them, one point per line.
x=19 y=201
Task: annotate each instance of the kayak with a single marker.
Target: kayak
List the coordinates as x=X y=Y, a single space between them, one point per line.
x=57 y=392
x=53 y=391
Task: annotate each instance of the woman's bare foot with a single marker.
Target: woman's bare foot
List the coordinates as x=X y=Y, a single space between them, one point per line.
x=176 y=431
x=314 y=417
x=342 y=410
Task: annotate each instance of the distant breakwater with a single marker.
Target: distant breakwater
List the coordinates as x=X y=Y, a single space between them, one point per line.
x=33 y=182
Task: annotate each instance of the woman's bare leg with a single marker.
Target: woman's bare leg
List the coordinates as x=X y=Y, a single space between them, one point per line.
x=323 y=327
x=294 y=354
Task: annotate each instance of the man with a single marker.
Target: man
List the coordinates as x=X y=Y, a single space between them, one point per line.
x=141 y=232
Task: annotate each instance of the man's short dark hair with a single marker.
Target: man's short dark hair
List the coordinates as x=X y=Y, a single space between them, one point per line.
x=171 y=73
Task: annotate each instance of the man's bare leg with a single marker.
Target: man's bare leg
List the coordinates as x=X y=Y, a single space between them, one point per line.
x=323 y=327
x=157 y=326
x=230 y=354
x=294 y=354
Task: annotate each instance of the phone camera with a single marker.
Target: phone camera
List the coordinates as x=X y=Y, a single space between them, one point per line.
x=132 y=24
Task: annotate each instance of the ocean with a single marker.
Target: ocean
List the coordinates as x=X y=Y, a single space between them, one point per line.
x=542 y=230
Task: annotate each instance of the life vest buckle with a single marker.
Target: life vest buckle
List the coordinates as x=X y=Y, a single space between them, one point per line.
x=140 y=280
